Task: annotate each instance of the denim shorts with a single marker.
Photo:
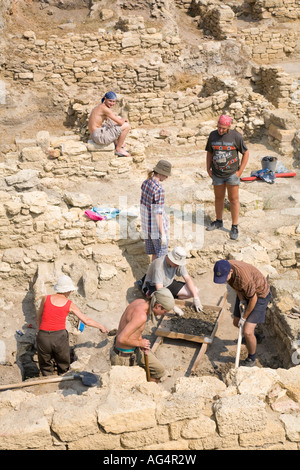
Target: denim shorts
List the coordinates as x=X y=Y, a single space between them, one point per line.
x=232 y=180
x=258 y=314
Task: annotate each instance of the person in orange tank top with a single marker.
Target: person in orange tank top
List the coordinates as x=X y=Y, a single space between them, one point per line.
x=52 y=337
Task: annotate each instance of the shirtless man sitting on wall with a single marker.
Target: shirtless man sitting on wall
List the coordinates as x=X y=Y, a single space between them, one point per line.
x=106 y=127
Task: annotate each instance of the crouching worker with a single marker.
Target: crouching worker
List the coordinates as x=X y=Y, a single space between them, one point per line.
x=52 y=338
x=129 y=346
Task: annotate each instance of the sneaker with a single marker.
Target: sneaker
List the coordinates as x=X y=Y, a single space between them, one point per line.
x=214 y=225
x=234 y=233
x=249 y=362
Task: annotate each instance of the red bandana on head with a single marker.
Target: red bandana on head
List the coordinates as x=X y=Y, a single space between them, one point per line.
x=225 y=120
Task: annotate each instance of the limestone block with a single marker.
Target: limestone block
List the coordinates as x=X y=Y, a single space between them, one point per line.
x=239 y=414
x=13 y=255
x=36 y=200
x=290 y=380
x=90 y=281
x=156 y=435
x=23 y=430
x=23 y=179
x=124 y=411
x=131 y=41
x=12 y=207
x=43 y=139
x=256 y=382
x=179 y=406
x=4 y=267
x=292 y=426
x=32 y=154
x=72 y=148
x=78 y=200
x=198 y=428
x=272 y=434
x=99 y=441
x=106 y=271
x=205 y=387
x=74 y=419
x=283 y=135
x=92 y=147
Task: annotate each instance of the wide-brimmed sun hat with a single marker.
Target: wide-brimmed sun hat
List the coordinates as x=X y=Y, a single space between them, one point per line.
x=163 y=167
x=64 y=284
x=178 y=256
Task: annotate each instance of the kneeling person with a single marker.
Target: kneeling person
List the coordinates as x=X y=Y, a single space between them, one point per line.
x=129 y=344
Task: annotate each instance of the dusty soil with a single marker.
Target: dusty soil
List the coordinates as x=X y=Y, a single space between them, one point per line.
x=193 y=323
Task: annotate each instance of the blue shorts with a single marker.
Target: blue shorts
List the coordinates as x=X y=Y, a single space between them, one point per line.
x=232 y=180
x=258 y=314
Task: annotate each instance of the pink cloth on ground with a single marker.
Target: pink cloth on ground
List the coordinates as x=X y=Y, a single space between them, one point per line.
x=92 y=215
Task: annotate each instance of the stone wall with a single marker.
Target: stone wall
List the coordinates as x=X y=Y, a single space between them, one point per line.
x=255 y=409
x=215 y=18
x=268 y=45
x=280 y=9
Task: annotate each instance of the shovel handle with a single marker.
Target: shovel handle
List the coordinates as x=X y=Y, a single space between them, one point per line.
x=147 y=367
x=36 y=382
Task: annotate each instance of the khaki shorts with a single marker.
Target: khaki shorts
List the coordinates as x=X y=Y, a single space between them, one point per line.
x=157 y=370
x=107 y=133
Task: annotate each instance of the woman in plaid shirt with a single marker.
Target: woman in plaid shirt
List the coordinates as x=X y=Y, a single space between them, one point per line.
x=155 y=227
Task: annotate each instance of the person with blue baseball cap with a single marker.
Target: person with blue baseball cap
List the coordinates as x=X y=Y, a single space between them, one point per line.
x=106 y=127
x=253 y=291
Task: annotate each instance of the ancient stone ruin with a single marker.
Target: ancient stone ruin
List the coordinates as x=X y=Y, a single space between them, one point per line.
x=176 y=65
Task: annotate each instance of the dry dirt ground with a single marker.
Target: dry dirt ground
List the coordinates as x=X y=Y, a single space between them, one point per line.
x=178 y=356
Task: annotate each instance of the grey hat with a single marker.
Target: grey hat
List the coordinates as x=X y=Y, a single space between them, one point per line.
x=163 y=167
x=64 y=284
x=178 y=256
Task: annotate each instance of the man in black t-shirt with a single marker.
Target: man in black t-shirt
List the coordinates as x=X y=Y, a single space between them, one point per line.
x=224 y=167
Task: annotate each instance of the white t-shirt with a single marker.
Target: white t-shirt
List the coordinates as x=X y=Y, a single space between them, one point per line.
x=159 y=272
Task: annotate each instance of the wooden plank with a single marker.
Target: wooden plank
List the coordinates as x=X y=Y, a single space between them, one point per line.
x=199 y=357
x=156 y=343
x=175 y=335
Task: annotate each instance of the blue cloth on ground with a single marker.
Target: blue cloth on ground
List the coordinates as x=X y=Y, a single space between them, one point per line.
x=266 y=175
x=106 y=212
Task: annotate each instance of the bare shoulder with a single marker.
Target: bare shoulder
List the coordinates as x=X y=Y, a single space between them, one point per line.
x=138 y=308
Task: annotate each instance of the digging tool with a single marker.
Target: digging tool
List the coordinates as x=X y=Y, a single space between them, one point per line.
x=147 y=366
x=239 y=343
x=88 y=379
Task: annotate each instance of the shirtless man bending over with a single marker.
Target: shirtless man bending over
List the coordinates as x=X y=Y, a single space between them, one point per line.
x=129 y=344
x=106 y=127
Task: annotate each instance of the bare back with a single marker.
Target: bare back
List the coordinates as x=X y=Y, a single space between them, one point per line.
x=132 y=324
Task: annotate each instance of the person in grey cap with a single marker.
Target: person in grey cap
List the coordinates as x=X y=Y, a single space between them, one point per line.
x=154 y=221
x=52 y=337
x=129 y=346
x=162 y=272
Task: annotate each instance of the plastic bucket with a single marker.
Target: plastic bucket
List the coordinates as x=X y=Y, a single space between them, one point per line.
x=269 y=162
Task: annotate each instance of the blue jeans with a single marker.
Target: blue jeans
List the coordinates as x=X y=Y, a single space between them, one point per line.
x=232 y=180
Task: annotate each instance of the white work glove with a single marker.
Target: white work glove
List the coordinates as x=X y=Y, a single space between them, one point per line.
x=163 y=240
x=178 y=311
x=197 y=304
x=241 y=322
